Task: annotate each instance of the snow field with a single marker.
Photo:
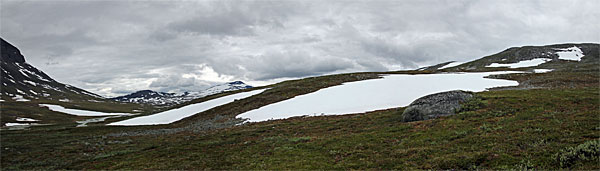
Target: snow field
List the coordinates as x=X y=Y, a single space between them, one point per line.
x=369 y=95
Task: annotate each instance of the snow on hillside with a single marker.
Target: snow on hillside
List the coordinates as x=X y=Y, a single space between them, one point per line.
x=452 y=64
x=572 y=53
x=362 y=96
x=79 y=112
x=521 y=64
x=19 y=119
x=542 y=70
x=173 y=115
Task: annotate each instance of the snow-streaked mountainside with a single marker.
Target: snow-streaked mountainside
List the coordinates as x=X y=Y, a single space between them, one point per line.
x=167 y=99
x=527 y=56
x=23 y=82
x=538 y=56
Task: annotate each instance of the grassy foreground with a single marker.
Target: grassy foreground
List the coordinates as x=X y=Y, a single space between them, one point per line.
x=508 y=129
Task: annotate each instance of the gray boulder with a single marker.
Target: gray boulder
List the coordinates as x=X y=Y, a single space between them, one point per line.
x=435 y=105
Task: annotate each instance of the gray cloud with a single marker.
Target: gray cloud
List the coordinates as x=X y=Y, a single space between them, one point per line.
x=116 y=47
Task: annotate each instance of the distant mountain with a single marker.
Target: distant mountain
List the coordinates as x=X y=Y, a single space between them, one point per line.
x=23 y=82
x=168 y=99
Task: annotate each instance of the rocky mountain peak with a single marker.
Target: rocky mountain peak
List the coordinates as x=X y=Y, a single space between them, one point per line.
x=10 y=53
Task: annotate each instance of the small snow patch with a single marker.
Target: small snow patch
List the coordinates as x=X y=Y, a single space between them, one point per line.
x=64 y=100
x=30 y=82
x=542 y=70
x=84 y=123
x=20 y=98
x=19 y=119
x=17 y=124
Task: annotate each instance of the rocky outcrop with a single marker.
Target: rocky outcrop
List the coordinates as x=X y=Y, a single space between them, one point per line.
x=435 y=105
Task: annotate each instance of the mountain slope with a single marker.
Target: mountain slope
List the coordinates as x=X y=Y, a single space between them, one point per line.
x=23 y=82
x=23 y=87
x=556 y=57
x=169 y=99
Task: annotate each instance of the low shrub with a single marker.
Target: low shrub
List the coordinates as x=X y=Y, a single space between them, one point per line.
x=588 y=151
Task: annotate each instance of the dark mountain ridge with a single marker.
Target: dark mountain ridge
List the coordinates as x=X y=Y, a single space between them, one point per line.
x=20 y=80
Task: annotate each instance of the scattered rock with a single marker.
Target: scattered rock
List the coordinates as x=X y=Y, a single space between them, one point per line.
x=435 y=105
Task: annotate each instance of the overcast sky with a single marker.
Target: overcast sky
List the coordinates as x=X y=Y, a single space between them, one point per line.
x=113 y=47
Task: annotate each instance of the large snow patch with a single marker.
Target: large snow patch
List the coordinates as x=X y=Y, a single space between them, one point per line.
x=78 y=112
x=572 y=53
x=369 y=95
x=521 y=64
x=171 y=116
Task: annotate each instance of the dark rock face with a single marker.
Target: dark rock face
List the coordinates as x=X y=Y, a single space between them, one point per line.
x=10 y=53
x=435 y=105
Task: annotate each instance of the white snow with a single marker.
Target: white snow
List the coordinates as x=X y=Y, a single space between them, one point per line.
x=78 y=112
x=64 y=100
x=50 y=87
x=23 y=70
x=369 y=95
x=18 y=124
x=33 y=92
x=21 y=92
x=572 y=53
x=20 y=98
x=452 y=64
x=30 y=82
x=521 y=64
x=26 y=119
x=542 y=70
x=173 y=115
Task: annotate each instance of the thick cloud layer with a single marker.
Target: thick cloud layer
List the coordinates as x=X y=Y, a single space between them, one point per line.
x=114 y=47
